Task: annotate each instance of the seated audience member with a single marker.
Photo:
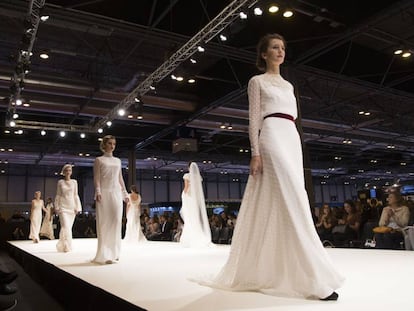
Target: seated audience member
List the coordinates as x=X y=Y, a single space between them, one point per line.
x=348 y=226
x=165 y=230
x=326 y=221
x=153 y=228
x=394 y=217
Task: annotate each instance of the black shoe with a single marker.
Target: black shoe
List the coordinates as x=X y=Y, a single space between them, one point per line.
x=7 y=289
x=7 y=304
x=7 y=277
x=333 y=296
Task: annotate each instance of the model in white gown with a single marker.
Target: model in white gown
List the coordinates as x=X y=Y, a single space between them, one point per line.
x=67 y=205
x=133 y=232
x=109 y=192
x=46 y=229
x=275 y=248
x=196 y=229
x=36 y=217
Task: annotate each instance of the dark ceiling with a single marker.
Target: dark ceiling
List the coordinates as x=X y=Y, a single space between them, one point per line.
x=340 y=58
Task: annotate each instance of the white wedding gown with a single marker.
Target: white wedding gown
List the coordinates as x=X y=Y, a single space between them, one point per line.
x=67 y=204
x=46 y=229
x=36 y=219
x=109 y=183
x=196 y=229
x=133 y=232
x=275 y=248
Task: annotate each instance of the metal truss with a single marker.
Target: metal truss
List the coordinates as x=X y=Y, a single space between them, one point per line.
x=23 y=56
x=215 y=26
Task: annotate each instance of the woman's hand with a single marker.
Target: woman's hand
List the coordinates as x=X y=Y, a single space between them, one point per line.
x=98 y=198
x=256 y=166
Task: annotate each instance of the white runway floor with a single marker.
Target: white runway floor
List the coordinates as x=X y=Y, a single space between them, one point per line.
x=154 y=276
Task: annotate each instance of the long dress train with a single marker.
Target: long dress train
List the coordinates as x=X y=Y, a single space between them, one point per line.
x=196 y=230
x=133 y=232
x=46 y=229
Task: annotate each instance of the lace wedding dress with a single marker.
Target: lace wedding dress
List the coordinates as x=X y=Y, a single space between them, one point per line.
x=196 y=229
x=275 y=248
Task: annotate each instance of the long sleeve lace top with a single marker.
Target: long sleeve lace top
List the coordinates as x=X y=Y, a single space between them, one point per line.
x=267 y=93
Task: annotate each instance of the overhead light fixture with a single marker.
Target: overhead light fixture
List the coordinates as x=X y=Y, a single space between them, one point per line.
x=173 y=77
x=82 y=135
x=12 y=123
x=258 y=11
x=191 y=80
x=223 y=38
x=288 y=13
x=273 y=9
x=43 y=132
x=62 y=133
x=406 y=54
x=19 y=102
x=121 y=112
x=193 y=61
x=100 y=130
x=200 y=49
x=15 y=115
x=44 y=55
x=180 y=78
x=108 y=123
x=137 y=100
x=398 y=52
x=243 y=15
x=44 y=18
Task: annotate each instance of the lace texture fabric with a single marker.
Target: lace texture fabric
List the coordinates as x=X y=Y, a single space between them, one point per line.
x=275 y=248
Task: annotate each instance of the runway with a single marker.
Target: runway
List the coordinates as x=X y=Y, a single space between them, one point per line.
x=155 y=276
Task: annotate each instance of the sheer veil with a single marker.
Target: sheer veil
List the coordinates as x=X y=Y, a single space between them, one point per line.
x=196 y=190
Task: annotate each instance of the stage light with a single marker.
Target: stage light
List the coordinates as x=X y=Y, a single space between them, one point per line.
x=258 y=11
x=179 y=79
x=243 y=15
x=193 y=61
x=100 y=130
x=223 y=38
x=121 y=112
x=173 y=77
x=15 y=115
x=406 y=54
x=288 y=13
x=44 y=18
x=19 y=102
x=136 y=99
x=43 y=132
x=273 y=9
x=108 y=123
x=44 y=55
x=398 y=52
x=82 y=135
x=12 y=123
x=62 y=133
x=191 y=81
x=200 y=49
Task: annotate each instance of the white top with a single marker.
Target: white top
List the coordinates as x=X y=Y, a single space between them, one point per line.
x=268 y=93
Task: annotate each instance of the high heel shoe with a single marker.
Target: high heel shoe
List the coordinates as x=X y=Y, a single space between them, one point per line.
x=332 y=297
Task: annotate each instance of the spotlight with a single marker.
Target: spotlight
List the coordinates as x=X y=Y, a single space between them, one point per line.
x=193 y=61
x=243 y=15
x=200 y=49
x=288 y=13
x=398 y=52
x=108 y=123
x=173 y=77
x=12 y=123
x=62 y=133
x=19 y=102
x=43 y=132
x=179 y=79
x=136 y=100
x=82 y=135
x=191 y=81
x=223 y=38
x=273 y=9
x=44 y=55
x=44 y=18
x=121 y=112
x=15 y=115
x=258 y=11
x=406 y=54
x=100 y=131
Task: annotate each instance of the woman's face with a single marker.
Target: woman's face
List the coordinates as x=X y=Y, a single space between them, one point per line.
x=392 y=198
x=38 y=194
x=109 y=146
x=347 y=208
x=275 y=53
x=68 y=171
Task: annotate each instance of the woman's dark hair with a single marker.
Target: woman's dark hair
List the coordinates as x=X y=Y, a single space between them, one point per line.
x=134 y=188
x=262 y=48
x=351 y=203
